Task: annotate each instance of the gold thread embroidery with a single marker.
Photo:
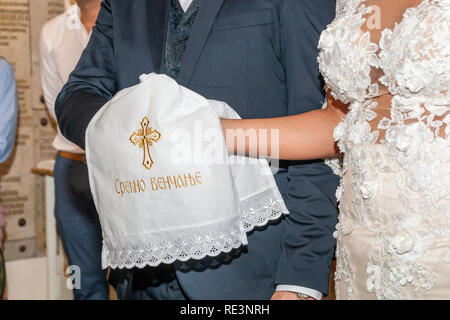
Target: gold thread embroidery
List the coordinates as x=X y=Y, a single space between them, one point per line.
x=173 y=182
x=144 y=138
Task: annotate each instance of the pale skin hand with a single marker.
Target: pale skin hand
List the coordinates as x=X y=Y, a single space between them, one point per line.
x=307 y=136
x=287 y=295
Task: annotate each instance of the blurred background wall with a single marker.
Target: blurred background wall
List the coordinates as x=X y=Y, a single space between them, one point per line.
x=21 y=192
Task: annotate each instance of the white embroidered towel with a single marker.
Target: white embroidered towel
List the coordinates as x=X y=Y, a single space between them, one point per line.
x=163 y=184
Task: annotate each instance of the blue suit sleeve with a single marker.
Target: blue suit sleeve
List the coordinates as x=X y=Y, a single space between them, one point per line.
x=308 y=245
x=92 y=83
x=8 y=110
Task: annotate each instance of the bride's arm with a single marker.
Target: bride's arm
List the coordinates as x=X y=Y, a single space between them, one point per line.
x=305 y=136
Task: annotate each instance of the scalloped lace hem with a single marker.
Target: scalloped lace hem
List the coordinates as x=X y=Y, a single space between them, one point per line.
x=195 y=243
x=258 y=210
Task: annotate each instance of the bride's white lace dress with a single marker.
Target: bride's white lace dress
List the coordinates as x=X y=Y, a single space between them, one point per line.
x=389 y=61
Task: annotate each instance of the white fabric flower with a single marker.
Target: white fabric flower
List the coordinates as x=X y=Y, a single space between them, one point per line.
x=407 y=143
x=422 y=178
x=415 y=83
x=327 y=39
x=400 y=272
x=412 y=78
x=358 y=132
x=403 y=242
x=368 y=189
x=339 y=131
x=404 y=143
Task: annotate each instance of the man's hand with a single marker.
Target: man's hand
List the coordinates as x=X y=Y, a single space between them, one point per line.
x=287 y=295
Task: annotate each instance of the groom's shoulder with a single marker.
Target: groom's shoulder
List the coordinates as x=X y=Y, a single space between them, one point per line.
x=320 y=12
x=116 y=6
x=124 y=11
x=310 y=6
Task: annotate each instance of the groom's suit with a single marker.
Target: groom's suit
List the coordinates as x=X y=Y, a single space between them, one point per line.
x=259 y=56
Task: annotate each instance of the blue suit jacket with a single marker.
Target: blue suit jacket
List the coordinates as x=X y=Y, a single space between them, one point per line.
x=260 y=56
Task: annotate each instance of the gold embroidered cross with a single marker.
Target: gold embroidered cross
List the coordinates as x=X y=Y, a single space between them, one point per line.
x=144 y=138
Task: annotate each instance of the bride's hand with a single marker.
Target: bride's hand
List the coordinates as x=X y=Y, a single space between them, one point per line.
x=287 y=295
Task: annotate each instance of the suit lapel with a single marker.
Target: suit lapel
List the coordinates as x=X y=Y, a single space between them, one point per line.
x=199 y=34
x=157 y=20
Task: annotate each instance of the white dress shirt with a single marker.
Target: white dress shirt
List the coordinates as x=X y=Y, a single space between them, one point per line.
x=63 y=40
x=185 y=4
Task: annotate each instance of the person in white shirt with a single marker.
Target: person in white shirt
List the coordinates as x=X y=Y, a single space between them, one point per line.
x=8 y=123
x=63 y=40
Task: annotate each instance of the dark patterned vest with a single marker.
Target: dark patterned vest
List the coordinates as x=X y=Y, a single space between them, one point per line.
x=178 y=31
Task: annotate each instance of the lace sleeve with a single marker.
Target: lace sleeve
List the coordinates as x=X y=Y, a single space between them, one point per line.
x=415 y=55
x=343 y=5
x=339 y=7
x=415 y=58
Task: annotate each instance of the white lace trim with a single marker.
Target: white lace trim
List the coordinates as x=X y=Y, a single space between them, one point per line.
x=343 y=5
x=336 y=165
x=259 y=210
x=196 y=243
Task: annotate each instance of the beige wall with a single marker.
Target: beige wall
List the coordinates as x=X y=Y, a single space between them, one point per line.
x=20 y=191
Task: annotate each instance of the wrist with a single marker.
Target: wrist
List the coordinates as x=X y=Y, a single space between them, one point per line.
x=311 y=293
x=303 y=296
